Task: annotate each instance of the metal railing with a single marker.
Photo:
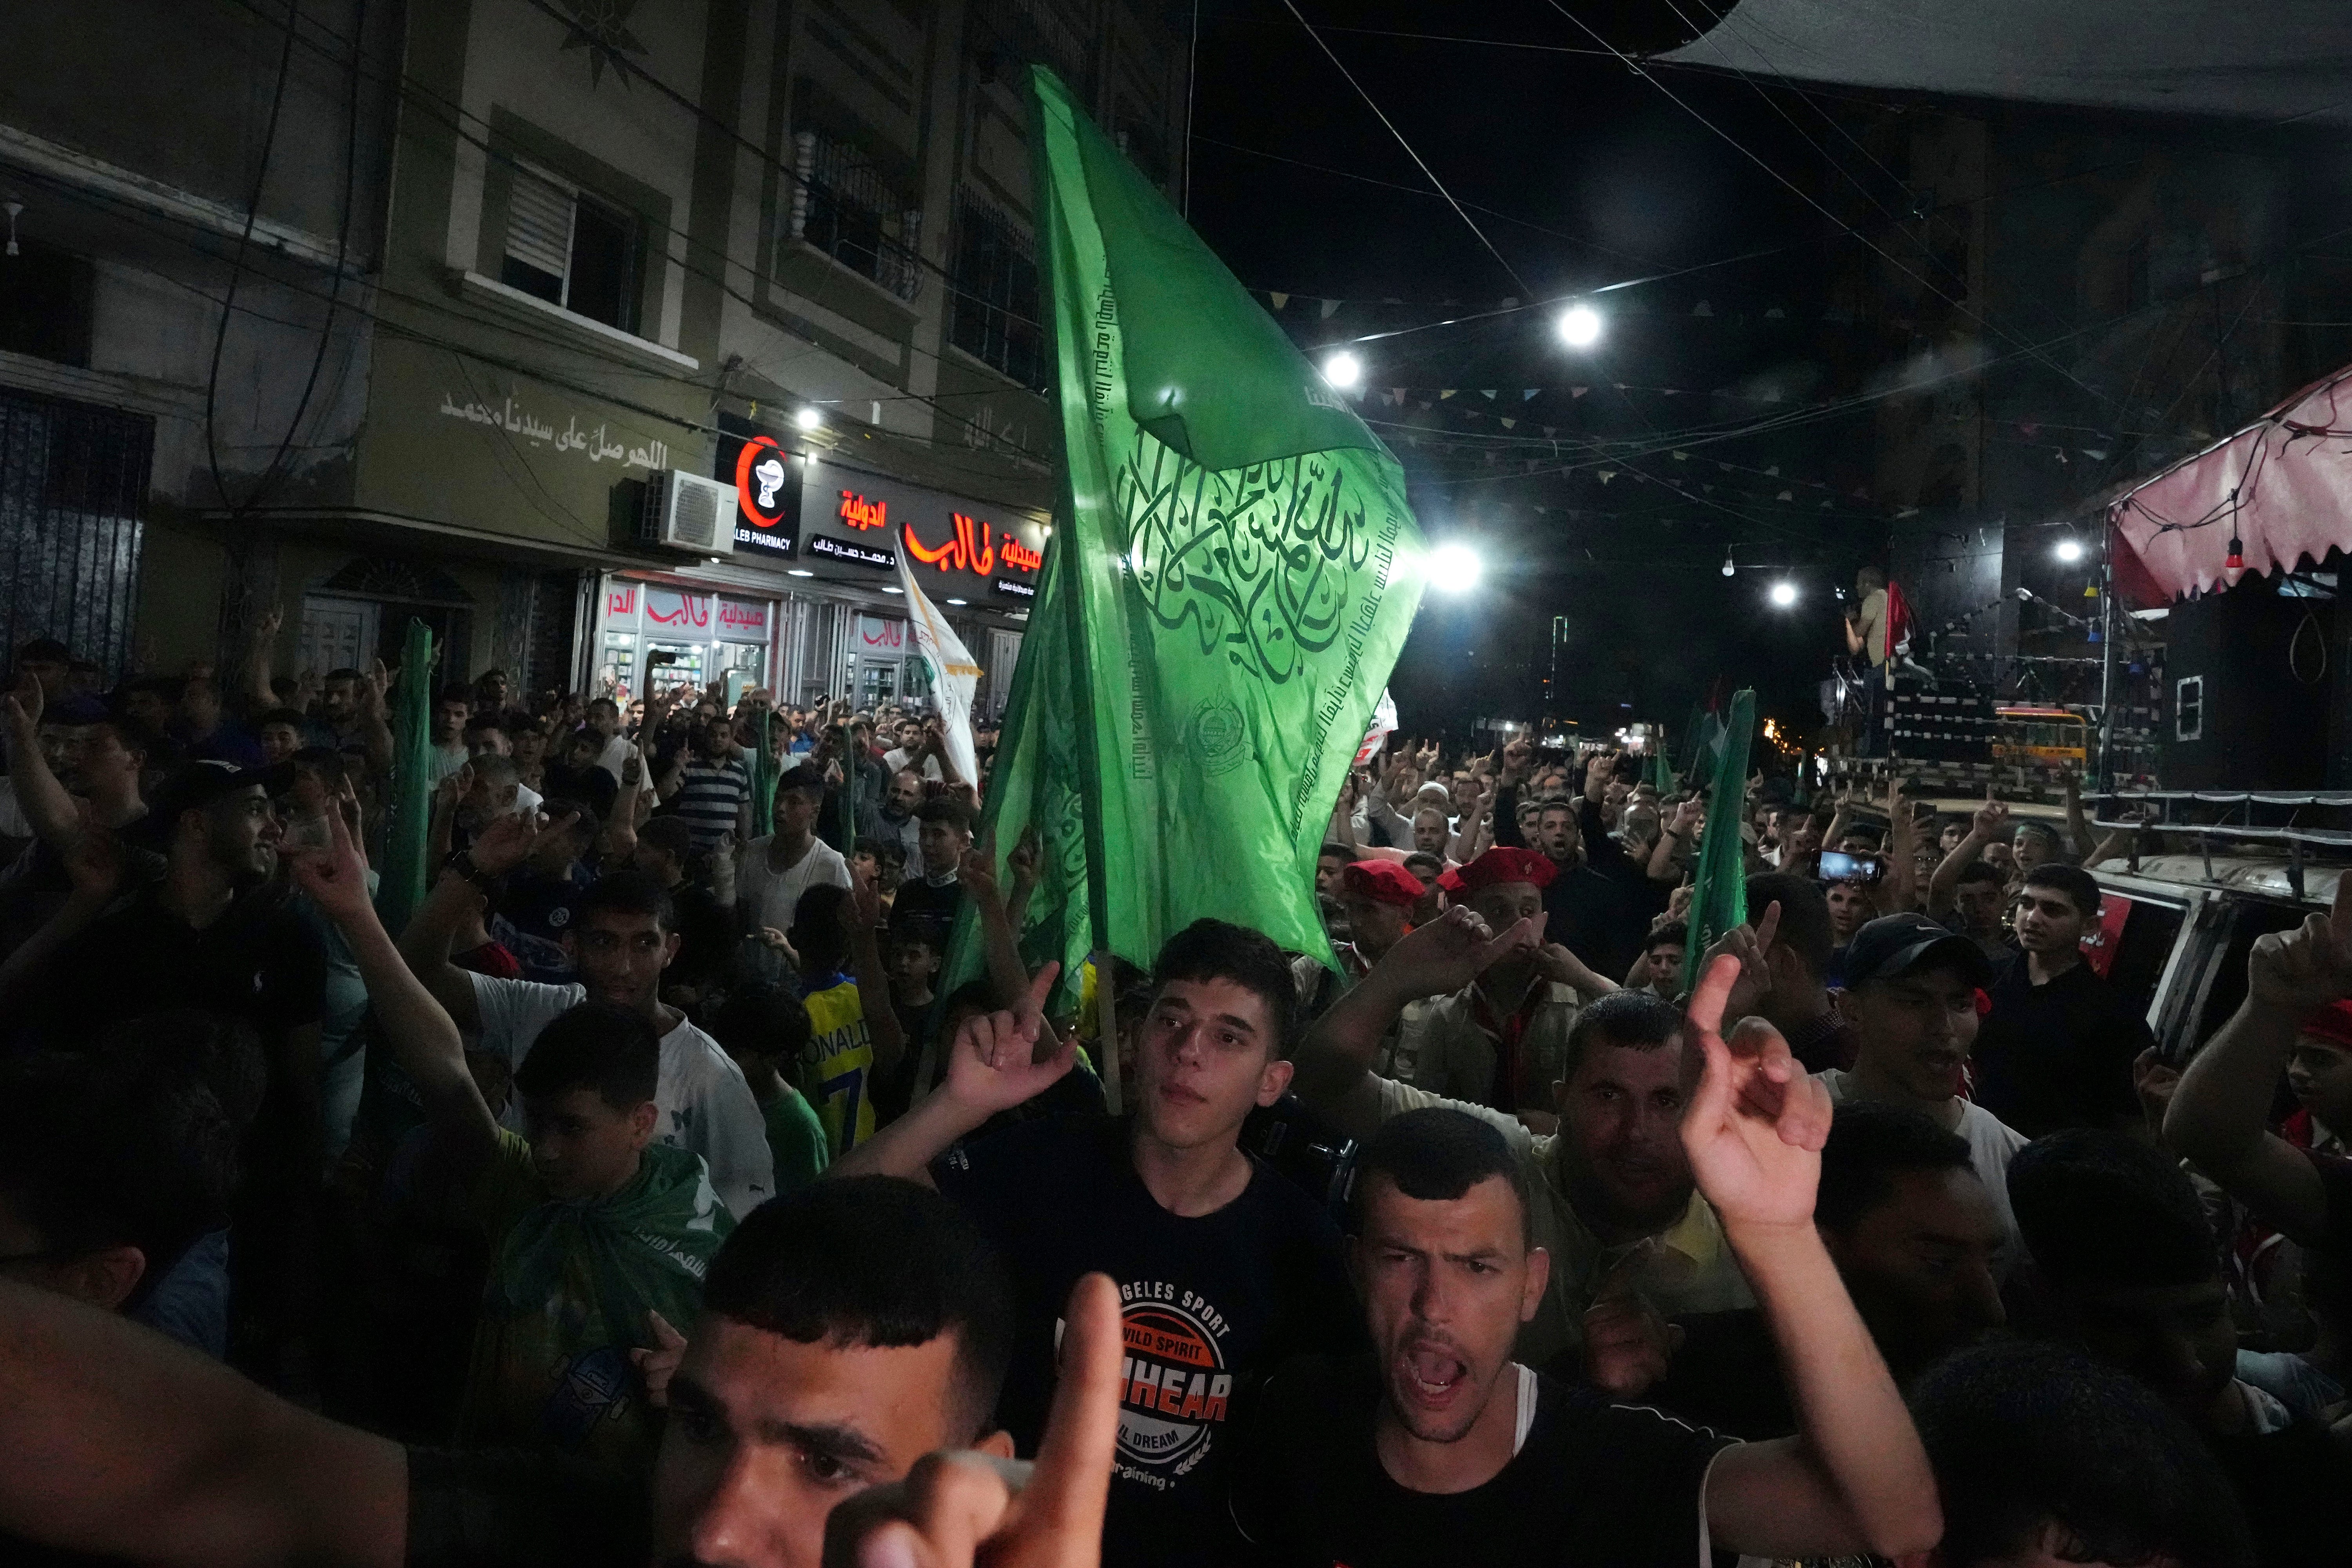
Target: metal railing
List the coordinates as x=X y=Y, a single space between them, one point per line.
x=842 y=206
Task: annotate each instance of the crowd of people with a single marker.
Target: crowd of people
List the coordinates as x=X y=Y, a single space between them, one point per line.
x=657 y=1191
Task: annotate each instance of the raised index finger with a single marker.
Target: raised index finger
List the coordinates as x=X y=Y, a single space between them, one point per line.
x=1707 y=1002
x=1032 y=1005
x=1071 y=1481
x=1767 y=926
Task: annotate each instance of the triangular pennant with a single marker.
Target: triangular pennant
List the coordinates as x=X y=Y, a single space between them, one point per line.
x=1704 y=309
x=1786 y=495
x=1279 y=297
x=1578 y=391
x=1682 y=457
x=1447 y=393
x=1605 y=475
x=1510 y=424
x=1528 y=394
x=1329 y=306
x=1488 y=393
x=1551 y=430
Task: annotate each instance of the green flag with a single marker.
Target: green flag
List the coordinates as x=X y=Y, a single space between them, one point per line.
x=1232 y=574
x=1662 y=774
x=409 y=818
x=1719 y=901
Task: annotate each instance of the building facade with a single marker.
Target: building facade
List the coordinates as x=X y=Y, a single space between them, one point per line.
x=753 y=279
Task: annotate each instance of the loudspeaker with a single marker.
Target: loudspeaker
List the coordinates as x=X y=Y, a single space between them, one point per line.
x=2237 y=712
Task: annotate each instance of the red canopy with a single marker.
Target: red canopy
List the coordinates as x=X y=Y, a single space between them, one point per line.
x=2279 y=490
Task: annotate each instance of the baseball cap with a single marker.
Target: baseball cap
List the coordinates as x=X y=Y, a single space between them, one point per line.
x=193 y=785
x=1895 y=945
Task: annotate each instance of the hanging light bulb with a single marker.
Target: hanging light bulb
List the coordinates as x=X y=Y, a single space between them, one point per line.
x=2233 y=566
x=1728 y=567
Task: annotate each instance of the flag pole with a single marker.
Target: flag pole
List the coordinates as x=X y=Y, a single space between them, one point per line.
x=1107 y=1027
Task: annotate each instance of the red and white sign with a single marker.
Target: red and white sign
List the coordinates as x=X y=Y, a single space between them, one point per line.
x=2099 y=942
x=858 y=512
x=763 y=476
x=744 y=620
x=877 y=636
x=677 y=611
x=621 y=599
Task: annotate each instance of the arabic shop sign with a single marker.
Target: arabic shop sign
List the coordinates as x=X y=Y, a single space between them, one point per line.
x=677 y=611
x=518 y=421
x=744 y=620
x=833 y=549
x=973 y=547
x=858 y=512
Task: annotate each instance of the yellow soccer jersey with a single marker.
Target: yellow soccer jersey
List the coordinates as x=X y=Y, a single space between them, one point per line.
x=836 y=1064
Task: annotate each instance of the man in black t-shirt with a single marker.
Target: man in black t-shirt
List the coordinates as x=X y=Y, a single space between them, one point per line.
x=1442 y=1449
x=1223 y=1268
x=2056 y=1049
x=848 y=1328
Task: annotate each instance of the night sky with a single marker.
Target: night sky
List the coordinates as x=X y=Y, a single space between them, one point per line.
x=1583 y=174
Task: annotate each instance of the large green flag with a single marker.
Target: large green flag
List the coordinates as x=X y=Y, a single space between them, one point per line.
x=1719 y=900
x=1233 y=573
x=401 y=887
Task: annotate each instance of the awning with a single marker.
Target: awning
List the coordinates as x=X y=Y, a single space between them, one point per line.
x=2280 y=60
x=2277 y=492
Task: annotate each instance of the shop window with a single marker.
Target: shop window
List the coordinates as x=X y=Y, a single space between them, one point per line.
x=569 y=248
x=994 y=316
x=843 y=205
x=45 y=304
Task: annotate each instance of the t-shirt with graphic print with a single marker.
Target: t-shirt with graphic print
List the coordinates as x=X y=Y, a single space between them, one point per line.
x=1211 y=1305
x=836 y=1065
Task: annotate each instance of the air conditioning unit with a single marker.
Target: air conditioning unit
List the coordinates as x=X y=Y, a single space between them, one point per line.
x=687 y=512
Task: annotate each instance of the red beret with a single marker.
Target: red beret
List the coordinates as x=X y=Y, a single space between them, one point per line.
x=1499 y=866
x=1384 y=882
x=2332 y=1023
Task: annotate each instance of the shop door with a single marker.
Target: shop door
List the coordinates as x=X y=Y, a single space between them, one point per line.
x=73 y=485
x=337 y=634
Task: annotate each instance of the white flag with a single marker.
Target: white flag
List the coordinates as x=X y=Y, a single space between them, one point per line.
x=953 y=675
x=1384 y=725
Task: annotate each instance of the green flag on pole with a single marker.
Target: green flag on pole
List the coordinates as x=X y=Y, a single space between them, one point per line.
x=1232 y=576
x=1719 y=900
x=1662 y=773
x=409 y=819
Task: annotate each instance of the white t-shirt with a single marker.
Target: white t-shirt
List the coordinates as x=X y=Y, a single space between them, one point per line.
x=772 y=895
x=898 y=760
x=1991 y=1143
x=616 y=751
x=705 y=1106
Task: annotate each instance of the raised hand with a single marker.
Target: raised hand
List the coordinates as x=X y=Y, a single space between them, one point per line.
x=656 y=1361
x=1991 y=818
x=954 y=1510
x=1451 y=951
x=95 y=861
x=1025 y=861
x=335 y=874
x=1756 y=1125
x=991 y=1065
x=23 y=706
x=1628 y=1343
x=373 y=689
x=1752 y=946
x=2301 y=971
x=507 y=842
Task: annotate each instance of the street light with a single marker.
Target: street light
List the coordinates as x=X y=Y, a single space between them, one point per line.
x=1343 y=370
x=1580 y=326
x=809 y=419
x=1454 y=568
x=1783 y=594
x=1728 y=567
x=2070 y=551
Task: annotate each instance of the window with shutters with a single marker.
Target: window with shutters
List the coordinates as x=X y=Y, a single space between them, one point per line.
x=567 y=248
x=843 y=205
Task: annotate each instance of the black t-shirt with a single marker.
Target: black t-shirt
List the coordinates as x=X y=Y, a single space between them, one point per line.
x=1594 y=1482
x=2058 y=1055
x=1212 y=1304
x=257 y=962
x=920 y=899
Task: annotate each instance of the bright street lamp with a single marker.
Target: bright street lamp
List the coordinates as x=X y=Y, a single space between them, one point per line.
x=1454 y=568
x=2069 y=551
x=1784 y=594
x=1343 y=370
x=1580 y=326
x=809 y=419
